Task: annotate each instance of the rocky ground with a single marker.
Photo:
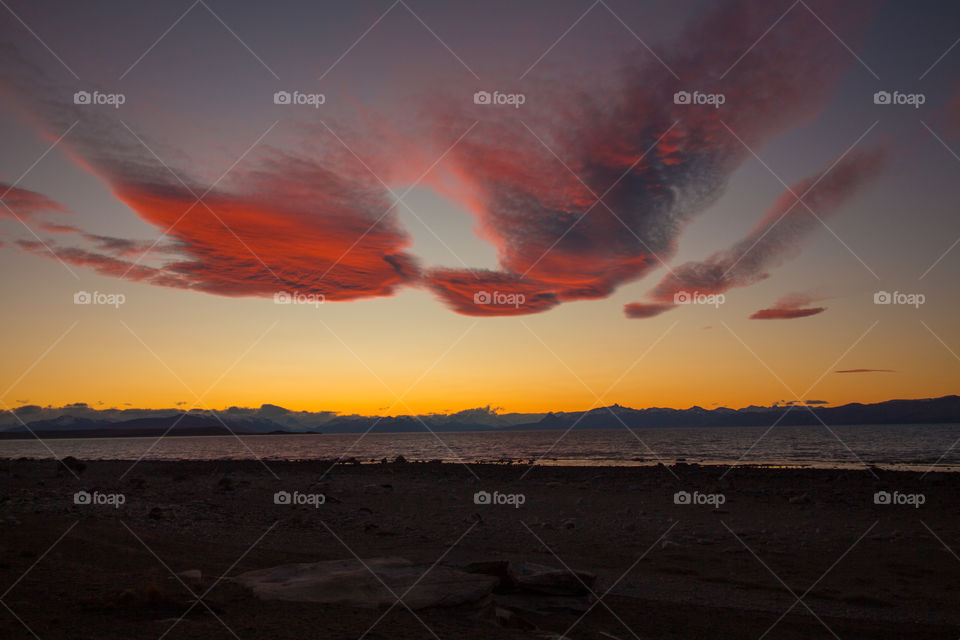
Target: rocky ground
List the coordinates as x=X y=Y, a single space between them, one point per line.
x=557 y=551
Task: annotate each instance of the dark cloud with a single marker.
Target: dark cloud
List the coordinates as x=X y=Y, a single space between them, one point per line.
x=866 y=371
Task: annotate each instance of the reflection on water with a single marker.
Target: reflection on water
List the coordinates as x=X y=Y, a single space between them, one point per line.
x=918 y=446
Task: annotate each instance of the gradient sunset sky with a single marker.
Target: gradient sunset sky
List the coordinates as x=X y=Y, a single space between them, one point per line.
x=595 y=209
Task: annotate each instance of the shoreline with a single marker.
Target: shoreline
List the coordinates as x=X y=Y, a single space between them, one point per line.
x=572 y=463
x=18 y=433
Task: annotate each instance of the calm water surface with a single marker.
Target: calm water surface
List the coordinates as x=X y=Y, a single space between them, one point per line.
x=911 y=446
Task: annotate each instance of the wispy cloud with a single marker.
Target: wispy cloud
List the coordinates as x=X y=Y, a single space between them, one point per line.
x=790 y=306
x=779 y=236
x=25 y=203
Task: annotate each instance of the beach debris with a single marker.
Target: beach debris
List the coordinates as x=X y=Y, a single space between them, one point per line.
x=369 y=583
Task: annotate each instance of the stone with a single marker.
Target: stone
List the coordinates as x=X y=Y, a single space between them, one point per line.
x=351 y=583
x=77 y=466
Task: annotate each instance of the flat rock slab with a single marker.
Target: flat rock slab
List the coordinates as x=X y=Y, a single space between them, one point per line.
x=351 y=583
x=538 y=578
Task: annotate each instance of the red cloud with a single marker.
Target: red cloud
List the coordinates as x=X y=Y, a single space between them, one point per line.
x=657 y=164
x=254 y=244
x=105 y=265
x=646 y=309
x=490 y=293
x=53 y=227
x=785 y=314
x=346 y=246
x=790 y=306
x=323 y=225
x=24 y=202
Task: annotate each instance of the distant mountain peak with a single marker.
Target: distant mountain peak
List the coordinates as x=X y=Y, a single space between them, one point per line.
x=273 y=418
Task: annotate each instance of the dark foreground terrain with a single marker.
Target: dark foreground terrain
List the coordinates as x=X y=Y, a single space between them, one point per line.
x=791 y=553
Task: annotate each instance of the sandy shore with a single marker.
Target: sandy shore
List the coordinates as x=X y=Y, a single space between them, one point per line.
x=731 y=567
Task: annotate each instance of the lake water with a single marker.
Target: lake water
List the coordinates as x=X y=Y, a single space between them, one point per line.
x=901 y=446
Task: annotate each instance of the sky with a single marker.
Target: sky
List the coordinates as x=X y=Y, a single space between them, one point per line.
x=423 y=206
